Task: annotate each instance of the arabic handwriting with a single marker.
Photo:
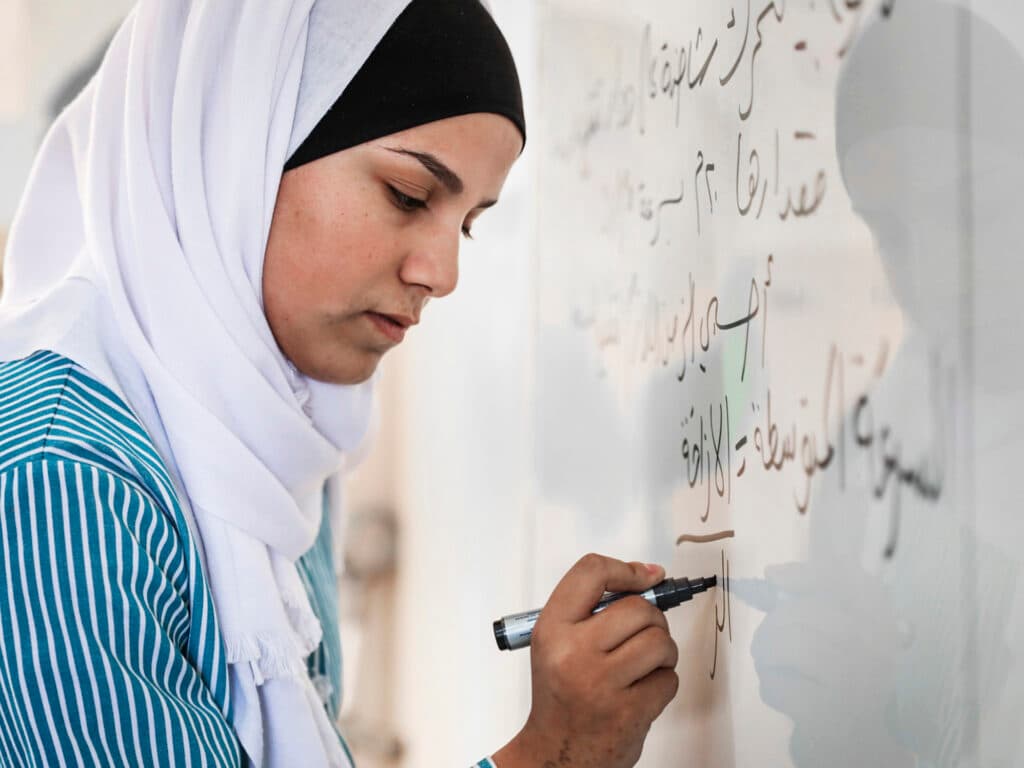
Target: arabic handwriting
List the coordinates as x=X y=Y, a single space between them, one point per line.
x=808 y=447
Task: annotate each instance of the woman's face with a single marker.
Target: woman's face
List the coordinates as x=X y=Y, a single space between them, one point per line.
x=360 y=239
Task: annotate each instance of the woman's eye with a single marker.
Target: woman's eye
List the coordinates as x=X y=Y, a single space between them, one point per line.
x=406 y=202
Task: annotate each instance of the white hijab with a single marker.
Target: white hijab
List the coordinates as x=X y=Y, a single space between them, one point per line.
x=137 y=251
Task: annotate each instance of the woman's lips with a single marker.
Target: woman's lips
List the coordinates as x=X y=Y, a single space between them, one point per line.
x=393 y=330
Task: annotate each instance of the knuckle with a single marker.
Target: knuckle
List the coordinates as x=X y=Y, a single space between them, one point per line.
x=664 y=690
x=657 y=637
x=539 y=638
x=673 y=654
x=591 y=562
x=639 y=574
x=660 y=645
x=636 y=605
x=657 y=616
x=641 y=612
x=671 y=685
x=560 y=663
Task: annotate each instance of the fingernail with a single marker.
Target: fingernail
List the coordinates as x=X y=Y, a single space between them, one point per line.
x=654 y=568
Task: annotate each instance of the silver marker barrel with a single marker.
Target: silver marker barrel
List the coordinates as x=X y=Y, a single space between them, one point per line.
x=516 y=630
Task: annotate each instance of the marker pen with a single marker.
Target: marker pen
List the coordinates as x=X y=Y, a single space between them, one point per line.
x=514 y=631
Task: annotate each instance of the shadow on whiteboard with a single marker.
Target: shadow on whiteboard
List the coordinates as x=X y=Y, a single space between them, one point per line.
x=910 y=657
x=608 y=451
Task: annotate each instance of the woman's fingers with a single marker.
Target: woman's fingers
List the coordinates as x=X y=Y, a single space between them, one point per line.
x=645 y=652
x=598 y=680
x=586 y=582
x=622 y=619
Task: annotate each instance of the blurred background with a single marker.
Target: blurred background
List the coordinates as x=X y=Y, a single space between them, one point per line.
x=431 y=515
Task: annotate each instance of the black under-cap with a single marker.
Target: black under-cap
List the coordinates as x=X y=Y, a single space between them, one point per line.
x=441 y=58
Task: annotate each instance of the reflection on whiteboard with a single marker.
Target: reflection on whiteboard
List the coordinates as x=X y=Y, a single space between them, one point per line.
x=778 y=344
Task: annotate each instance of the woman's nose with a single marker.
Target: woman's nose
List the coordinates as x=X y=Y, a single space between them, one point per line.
x=433 y=262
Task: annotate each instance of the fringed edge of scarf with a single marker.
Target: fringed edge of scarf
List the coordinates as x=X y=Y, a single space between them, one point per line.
x=269 y=657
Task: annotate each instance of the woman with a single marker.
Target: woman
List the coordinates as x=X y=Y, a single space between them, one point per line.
x=212 y=254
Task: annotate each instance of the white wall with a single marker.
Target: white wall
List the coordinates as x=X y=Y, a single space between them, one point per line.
x=52 y=39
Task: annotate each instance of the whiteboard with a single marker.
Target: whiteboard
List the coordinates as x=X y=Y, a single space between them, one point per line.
x=778 y=258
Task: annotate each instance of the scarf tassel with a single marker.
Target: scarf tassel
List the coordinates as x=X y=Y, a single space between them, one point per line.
x=270 y=657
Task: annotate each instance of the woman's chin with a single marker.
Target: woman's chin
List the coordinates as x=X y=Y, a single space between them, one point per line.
x=353 y=369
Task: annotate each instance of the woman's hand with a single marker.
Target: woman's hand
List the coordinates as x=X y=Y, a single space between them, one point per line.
x=599 y=681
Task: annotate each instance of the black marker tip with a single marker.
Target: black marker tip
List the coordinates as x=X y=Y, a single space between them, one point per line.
x=677 y=591
x=701 y=585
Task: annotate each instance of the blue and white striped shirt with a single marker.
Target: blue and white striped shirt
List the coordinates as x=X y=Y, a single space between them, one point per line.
x=110 y=650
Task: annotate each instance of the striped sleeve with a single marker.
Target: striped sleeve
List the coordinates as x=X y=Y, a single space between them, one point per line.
x=95 y=621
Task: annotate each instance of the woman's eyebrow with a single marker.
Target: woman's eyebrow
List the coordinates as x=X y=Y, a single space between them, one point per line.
x=441 y=172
